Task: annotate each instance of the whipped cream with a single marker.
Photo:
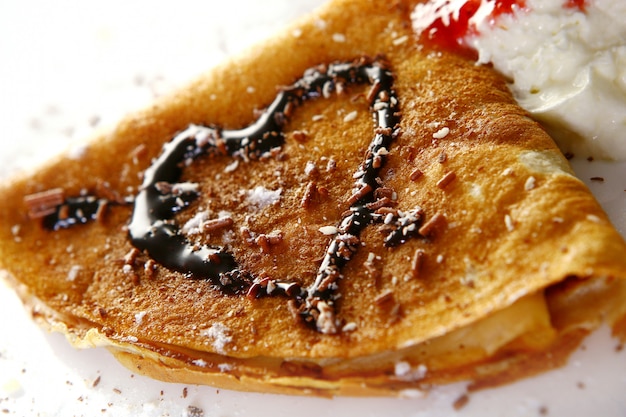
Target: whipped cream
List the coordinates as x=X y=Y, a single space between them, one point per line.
x=566 y=61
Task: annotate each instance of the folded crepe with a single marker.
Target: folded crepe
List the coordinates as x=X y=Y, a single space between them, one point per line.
x=340 y=211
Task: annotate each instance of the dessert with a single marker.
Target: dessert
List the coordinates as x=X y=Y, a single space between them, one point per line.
x=339 y=254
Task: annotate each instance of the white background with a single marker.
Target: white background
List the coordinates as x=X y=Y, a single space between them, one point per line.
x=68 y=68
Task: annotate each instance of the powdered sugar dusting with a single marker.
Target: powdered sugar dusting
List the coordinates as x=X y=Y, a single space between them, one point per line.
x=139 y=317
x=219 y=335
x=262 y=197
x=225 y=367
x=73 y=272
x=194 y=225
x=404 y=371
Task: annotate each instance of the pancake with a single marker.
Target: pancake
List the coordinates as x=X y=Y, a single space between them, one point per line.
x=339 y=211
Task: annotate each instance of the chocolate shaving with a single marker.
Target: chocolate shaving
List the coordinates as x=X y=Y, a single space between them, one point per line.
x=387 y=210
x=104 y=190
x=131 y=256
x=44 y=203
x=416 y=174
x=217 y=224
x=380 y=203
x=150 y=268
x=384 y=298
x=432 y=225
x=417 y=262
x=101 y=211
x=309 y=194
x=373 y=91
x=266 y=241
x=446 y=180
x=461 y=402
x=263 y=242
x=359 y=194
x=382 y=192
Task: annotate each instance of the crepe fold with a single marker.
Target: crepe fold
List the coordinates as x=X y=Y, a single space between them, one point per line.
x=504 y=261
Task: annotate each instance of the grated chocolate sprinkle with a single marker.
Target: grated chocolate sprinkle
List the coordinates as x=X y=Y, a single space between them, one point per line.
x=44 y=203
x=193 y=411
x=384 y=298
x=417 y=262
x=218 y=224
x=432 y=225
x=299 y=136
x=416 y=174
x=309 y=193
x=446 y=180
x=461 y=402
x=360 y=193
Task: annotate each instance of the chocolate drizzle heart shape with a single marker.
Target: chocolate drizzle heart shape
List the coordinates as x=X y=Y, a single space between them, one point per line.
x=154 y=230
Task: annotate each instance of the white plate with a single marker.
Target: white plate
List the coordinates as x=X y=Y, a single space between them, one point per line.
x=69 y=67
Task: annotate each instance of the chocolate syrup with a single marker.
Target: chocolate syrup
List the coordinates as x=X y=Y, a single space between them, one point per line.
x=73 y=211
x=153 y=227
x=385 y=111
